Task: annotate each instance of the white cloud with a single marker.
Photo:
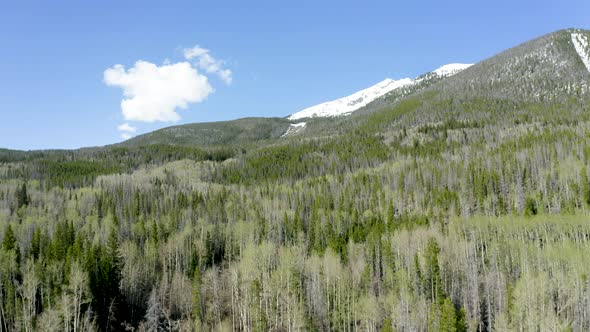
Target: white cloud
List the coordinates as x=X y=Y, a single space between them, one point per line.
x=125 y=127
x=126 y=130
x=153 y=93
x=205 y=61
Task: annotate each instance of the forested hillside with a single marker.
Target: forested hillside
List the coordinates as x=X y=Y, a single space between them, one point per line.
x=459 y=207
x=247 y=130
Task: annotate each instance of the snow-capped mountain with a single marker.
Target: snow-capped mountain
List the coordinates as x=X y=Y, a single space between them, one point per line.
x=349 y=104
x=353 y=102
x=451 y=69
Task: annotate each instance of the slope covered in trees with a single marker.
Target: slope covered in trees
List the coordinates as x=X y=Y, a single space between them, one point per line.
x=433 y=213
x=247 y=130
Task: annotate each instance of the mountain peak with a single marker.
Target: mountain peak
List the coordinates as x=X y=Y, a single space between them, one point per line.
x=451 y=69
x=353 y=102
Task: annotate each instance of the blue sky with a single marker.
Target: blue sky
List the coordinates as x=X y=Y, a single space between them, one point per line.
x=282 y=57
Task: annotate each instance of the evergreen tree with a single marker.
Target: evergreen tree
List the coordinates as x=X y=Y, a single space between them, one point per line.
x=387 y=326
x=22 y=198
x=432 y=278
x=9 y=241
x=36 y=243
x=530 y=207
x=448 y=319
x=390 y=215
x=585 y=185
x=104 y=269
x=461 y=325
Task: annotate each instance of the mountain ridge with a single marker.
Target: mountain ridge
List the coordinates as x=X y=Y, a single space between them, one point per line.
x=550 y=67
x=544 y=68
x=244 y=130
x=348 y=104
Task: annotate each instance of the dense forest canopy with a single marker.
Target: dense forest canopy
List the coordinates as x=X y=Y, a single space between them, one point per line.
x=438 y=211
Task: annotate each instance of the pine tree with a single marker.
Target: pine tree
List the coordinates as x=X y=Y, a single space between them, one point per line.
x=530 y=207
x=9 y=242
x=104 y=269
x=390 y=214
x=432 y=278
x=22 y=198
x=418 y=277
x=461 y=322
x=585 y=185
x=387 y=326
x=448 y=319
x=36 y=244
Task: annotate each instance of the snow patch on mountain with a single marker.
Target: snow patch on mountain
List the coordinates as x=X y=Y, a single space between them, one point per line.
x=451 y=69
x=349 y=104
x=581 y=44
x=294 y=128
